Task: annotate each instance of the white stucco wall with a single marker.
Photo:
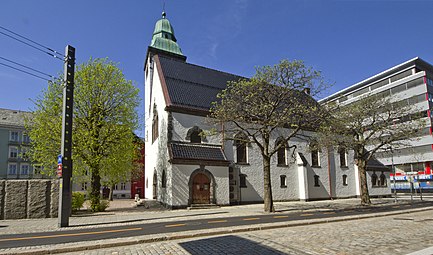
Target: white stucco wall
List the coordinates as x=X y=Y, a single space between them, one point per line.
x=184 y=122
x=181 y=178
x=156 y=153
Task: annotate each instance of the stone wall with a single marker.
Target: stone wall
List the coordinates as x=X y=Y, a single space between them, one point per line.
x=21 y=199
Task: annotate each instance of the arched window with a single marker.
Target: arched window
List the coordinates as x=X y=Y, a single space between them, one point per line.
x=374 y=180
x=315 y=154
x=194 y=135
x=316 y=181
x=382 y=180
x=283 y=181
x=155 y=185
x=155 y=130
x=242 y=180
x=281 y=153
x=164 y=179
x=344 y=180
x=241 y=142
x=343 y=156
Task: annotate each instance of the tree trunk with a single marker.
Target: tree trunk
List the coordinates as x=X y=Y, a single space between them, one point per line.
x=267 y=196
x=362 y=168
x=95 y=195
x=110 y=195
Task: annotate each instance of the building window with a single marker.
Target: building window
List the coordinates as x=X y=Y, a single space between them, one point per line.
x=116 y=187
x=241 y=148
x=382 y=180
x=147 y=183
x=164 y=179
x=37 y=169
x=283 y=181
x=316 y=181
x=13 y=152
x=315 y=155
x=84 y=186
x=12 y=169
x=344 y=180
x=194 y=135
x=343 y=156
x=23 y=154
x=281 y=153
x=155 y=127
x=13 y=136
x=26 y=138
x=242 y=180
x=24 y=169
x=374 y=180
x=122 y=186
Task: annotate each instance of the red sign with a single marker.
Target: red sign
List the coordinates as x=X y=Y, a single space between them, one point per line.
x=59 y=170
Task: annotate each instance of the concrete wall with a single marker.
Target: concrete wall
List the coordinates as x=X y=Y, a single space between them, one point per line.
x=21 y=199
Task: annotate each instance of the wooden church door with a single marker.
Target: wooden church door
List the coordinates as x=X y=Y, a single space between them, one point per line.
x=201 y=189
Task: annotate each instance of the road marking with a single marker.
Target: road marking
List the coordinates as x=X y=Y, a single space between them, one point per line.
x=251 y=219
x=175 y=225
x=72 y=234
x=329 y=213
x=281 y=216
x=306 y=214
x=216 y=221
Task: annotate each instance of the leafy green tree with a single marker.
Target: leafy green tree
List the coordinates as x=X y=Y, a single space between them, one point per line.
x=273 y=99
x=103 y=123
x=369 y=125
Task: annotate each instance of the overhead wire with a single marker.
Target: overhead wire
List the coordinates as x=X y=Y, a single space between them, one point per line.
x=30 y=40
x=28 y=44
x=40 y=77
x=34 y=70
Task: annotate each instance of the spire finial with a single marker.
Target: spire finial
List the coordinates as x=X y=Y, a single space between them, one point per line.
x=163 y=9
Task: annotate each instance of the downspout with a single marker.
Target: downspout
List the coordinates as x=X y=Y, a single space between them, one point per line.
x=329 y=174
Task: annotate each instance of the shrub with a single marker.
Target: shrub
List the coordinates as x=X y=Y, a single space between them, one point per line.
x=103 y=204
x=77 y=201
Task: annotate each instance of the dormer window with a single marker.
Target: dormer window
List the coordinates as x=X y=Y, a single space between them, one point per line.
x=194 y=135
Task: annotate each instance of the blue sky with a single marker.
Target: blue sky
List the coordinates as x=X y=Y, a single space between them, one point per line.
x=347 y=40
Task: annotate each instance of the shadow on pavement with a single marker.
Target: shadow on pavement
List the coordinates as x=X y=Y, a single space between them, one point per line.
x=140 y=219
x=227 y=245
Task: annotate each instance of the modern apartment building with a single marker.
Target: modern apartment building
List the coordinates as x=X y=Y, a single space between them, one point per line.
x=409 y=83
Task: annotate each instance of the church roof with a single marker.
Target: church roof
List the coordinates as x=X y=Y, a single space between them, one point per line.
x=374 y=164
x=190 y=86
x=163 y=37
x=186 y=153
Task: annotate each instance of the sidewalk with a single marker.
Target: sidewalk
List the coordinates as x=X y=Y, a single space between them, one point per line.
x=121 y=212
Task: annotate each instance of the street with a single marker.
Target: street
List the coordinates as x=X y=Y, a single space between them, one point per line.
x=399 y=234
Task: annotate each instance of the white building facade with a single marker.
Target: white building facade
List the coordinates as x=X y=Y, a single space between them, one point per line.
x=409 y=83
x=184 y=167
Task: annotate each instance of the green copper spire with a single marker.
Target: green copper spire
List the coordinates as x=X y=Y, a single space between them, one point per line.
x=163 y=37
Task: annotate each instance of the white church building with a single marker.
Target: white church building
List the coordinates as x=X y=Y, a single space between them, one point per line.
x=183 y=167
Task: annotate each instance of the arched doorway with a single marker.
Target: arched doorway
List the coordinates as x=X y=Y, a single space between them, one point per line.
x=201 y=189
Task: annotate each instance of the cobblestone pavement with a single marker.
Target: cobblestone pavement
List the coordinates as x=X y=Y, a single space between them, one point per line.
x=115 y=216
x=398 y=234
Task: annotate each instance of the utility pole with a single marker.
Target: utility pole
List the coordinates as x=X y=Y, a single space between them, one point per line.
x=65 y=159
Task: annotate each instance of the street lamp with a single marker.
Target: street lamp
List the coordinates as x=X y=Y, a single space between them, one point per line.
x=393 y=172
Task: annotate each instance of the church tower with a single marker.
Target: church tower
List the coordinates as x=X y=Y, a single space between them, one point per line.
x=164 y=41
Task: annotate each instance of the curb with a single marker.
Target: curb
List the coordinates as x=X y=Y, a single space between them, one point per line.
x=109 y=243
